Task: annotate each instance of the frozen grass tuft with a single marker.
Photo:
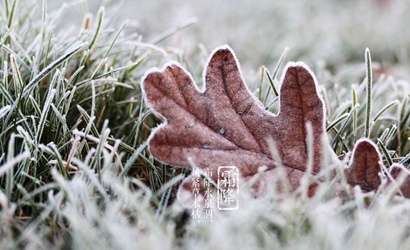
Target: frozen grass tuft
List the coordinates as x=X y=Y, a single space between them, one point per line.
x=75 y=171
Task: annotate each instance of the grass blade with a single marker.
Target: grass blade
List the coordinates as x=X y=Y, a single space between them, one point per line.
x=337 y=121
x=391 y=104
x=50 y=68
x=385 y=152
x=44 y=114
x=133 y=158
x=368 y=93
x=354 y=104
x=4 y=110
x=271 y=78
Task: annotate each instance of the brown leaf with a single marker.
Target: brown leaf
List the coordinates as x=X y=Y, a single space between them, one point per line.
x=365 y=166
x=395 y=171
x=366 y=169
x=226 y=125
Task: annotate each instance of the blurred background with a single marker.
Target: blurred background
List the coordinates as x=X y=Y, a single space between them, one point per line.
x=324 y=33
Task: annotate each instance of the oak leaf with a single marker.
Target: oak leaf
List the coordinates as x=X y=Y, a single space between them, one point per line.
x=226 y=125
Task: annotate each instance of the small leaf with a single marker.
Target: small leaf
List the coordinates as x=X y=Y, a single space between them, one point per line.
x=395 y=171
x=365 y=166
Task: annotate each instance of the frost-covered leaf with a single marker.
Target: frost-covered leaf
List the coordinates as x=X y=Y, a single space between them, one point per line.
x=225 y=124
x=395 y=171
x=366 y=169
x=365 y=166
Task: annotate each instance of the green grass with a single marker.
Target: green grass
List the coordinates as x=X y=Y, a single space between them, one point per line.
x=75 y=171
